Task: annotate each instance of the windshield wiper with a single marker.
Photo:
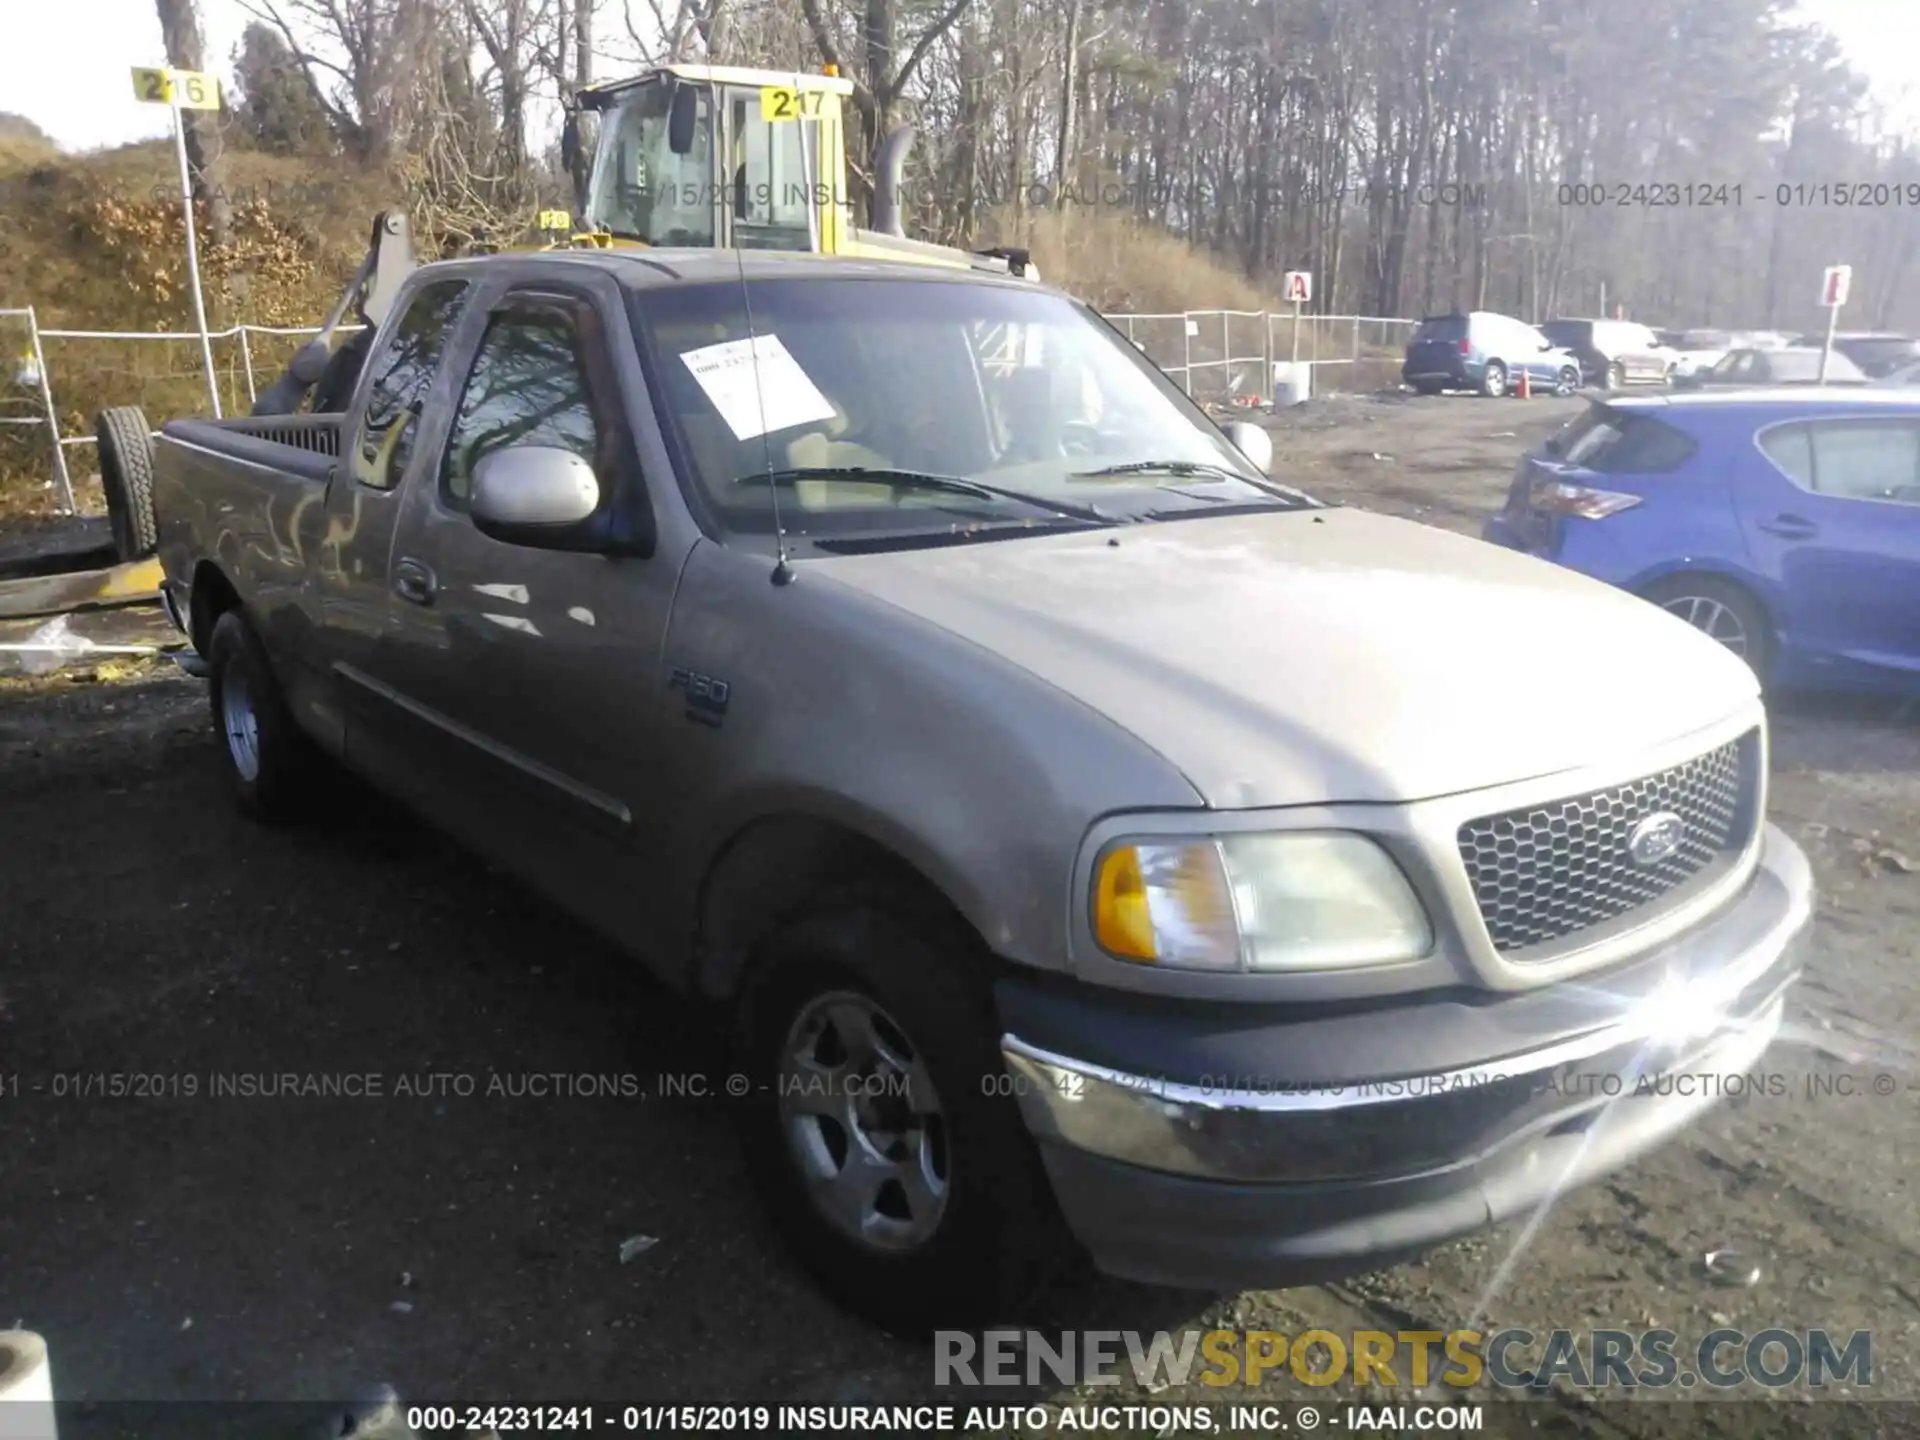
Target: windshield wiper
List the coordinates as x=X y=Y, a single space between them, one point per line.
x=1162 y=467
x=1200 y=467
x=922 y=480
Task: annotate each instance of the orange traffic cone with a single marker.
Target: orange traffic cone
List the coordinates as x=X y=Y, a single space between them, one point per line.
x=1526 y=386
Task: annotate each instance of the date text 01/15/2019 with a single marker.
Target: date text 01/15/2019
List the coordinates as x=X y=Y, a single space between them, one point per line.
x=1721 y=195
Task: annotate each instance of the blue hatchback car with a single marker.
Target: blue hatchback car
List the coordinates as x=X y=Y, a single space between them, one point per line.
x=1785 y=524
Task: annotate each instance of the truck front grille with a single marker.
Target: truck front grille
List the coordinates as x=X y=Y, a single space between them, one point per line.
x=1546 y=873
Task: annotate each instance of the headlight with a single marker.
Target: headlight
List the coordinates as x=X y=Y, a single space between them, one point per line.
x=1302 y=900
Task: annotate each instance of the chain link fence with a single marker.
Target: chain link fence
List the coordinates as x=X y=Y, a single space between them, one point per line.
x=1216 y=356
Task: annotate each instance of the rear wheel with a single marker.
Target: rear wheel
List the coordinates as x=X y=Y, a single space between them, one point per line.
x=898 y=1173
x=269 y=760
x=1616 y=376
x=1722 y=611
x=1493 y=381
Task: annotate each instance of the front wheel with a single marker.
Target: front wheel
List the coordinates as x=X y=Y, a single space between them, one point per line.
x=1566 y=382
x=1722 y=611
x=1616 y=376
x=900 y=1175
x=1493 y=382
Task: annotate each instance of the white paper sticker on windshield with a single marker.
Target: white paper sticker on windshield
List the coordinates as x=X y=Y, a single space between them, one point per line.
x=757 y=386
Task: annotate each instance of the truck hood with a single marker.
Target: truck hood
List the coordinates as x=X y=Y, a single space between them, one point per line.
x=1324 y=656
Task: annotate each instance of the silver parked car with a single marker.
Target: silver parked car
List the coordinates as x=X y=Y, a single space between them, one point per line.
x=1099 y=845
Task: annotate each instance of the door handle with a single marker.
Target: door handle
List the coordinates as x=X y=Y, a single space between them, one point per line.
x=414 y=581
x=1790 y=527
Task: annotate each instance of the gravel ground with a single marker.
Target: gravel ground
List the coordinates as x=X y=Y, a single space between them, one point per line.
x=468 y=1246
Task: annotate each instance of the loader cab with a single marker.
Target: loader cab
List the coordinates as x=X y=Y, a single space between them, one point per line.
x=699 y=155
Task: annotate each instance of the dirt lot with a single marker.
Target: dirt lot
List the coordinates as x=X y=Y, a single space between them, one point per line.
x=464 y=1247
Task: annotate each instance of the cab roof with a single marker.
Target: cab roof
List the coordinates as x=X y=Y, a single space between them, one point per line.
x=651 y=268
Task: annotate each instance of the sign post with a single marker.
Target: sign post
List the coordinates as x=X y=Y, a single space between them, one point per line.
x=1833 y=294
x=1298 y=288
x=180 y=91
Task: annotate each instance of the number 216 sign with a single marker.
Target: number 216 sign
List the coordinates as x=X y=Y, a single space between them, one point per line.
x=189 y=89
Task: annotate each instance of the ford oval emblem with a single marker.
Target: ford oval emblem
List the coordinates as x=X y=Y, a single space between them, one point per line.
x=1656 y=837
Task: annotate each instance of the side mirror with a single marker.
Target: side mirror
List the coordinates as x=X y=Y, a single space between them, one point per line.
x=683 y=117
x=570 y=140
x=1253 y=442
x=534 y=495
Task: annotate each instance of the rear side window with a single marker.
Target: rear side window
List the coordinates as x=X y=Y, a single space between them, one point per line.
x=402 y=374
x=1850 y=459
x=1452 y=328
x=527 y=387
x=1625 y=442
x=1867 y=459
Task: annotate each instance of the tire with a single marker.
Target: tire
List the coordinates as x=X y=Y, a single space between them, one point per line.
x=1493 y=380
x=126 y=475
x=1616 y=376
x=1723 y=610
x=269 y=761
x=981 y=1233
x=1568 y=382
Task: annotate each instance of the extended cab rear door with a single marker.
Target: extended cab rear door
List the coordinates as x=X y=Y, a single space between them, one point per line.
x=402 y=388
x=522 y=687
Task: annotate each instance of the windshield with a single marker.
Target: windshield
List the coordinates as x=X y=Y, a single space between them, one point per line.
x=1008 y=386
x=641 y=190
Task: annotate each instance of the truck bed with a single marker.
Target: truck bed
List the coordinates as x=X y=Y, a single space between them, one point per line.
x=304 y=446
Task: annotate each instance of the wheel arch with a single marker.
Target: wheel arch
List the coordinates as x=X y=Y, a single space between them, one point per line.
x=769 y=867
x=210 y=595
x=1647 y=585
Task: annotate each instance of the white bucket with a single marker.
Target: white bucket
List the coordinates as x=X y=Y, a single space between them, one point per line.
x=26 y=1387
x=1292 y=382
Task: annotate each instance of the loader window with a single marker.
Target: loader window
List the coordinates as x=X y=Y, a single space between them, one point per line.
x=641 y=190
x=402 y=374
x=774 y=171
x=527 y=387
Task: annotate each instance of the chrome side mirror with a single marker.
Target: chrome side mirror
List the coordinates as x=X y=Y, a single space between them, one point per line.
x=533 y=495
x=1253 y=442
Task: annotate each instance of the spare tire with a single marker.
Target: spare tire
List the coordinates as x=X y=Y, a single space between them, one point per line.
x=126 y=474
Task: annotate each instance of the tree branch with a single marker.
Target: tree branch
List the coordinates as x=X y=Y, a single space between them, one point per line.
x=919 y=52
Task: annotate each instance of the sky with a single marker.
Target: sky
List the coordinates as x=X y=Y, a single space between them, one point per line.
x=67 y=63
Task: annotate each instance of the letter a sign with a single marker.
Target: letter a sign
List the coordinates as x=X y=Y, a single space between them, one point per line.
x=1833 y=291
x=1298 y=289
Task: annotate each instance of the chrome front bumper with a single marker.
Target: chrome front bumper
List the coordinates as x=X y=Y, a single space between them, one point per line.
x=1408 y=1158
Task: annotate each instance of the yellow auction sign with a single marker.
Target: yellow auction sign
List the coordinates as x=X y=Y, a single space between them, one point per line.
x=188 y=89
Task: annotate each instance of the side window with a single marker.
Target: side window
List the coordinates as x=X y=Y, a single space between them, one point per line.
x=1791 y=448
x=1867 y=460
x=527 y=387
x=402 y=373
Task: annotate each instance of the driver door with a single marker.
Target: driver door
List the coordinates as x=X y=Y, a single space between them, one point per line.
x=526 y=679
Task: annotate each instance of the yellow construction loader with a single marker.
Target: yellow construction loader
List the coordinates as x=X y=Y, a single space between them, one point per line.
x=686 y=155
